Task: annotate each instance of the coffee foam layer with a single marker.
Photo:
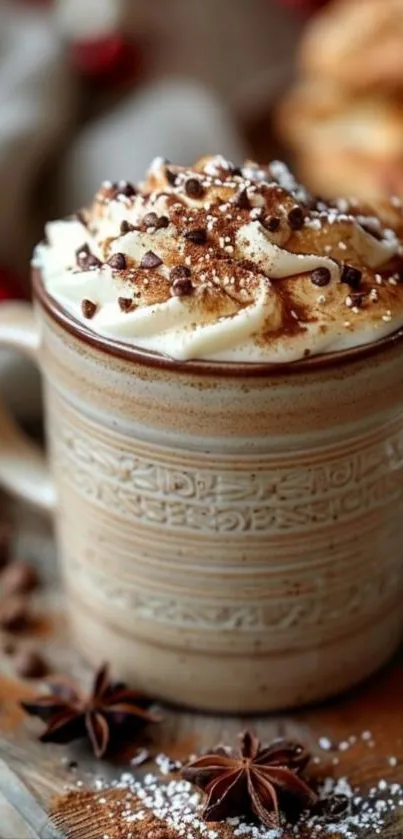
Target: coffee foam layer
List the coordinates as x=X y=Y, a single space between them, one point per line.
x=227 y=264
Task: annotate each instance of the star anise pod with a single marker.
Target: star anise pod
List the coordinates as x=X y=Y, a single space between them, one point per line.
x=256 y=781
x=69 y=714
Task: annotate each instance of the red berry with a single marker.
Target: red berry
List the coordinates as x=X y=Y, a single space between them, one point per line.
x=111 y=58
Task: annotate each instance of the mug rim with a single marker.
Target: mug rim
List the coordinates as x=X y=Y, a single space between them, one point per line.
x=121 y=350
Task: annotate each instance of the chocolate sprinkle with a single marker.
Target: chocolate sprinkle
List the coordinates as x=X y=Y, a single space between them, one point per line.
x=88 y=309
x=126 y=189
x=242 y=200
x=150 y=260
x=271 y=223
x=296 y=218
x=321 y=277
x=193 y=188
x=170 y=176
x=125 y=304
x=351 y=276
x=126 y=227
x=198 y=236
x=150 y=220
x=182 y=287
x=163 y=221
x=118 y=261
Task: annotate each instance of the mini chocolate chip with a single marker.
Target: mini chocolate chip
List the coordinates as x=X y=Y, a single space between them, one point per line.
x=321 y=276
x=162 y=222
x=242 y=200
x=237 y=171
x=118 y=261
x=197 y=236
x=271 y=223
x=193 y=188
x=88 y=309
x=30 y=665
x=351 y=276
x=296 y=218
x=150 y=220
x=180 y=272
x=83 y=252
x=125 y=303
x=18 y=578
x=170 y=176
x=126 y=227
x=182 y=287
x=86 y=259
x=126 y=188
x=150 y=260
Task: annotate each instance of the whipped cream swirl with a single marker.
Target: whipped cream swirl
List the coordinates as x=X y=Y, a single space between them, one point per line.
x=227 y=264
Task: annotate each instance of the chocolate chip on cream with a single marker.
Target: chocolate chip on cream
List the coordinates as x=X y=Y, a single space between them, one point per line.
x=227 y=263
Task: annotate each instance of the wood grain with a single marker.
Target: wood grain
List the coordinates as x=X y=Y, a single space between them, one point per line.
x=21 y=817
x=39 y=772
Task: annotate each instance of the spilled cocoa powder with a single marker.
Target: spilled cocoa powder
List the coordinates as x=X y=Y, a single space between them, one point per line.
x=85 y=815
x=151 y=809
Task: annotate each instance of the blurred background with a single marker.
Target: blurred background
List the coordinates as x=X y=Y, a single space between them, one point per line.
x=94 y=89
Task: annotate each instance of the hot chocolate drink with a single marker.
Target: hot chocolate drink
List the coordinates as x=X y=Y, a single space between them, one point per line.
x=224 y=406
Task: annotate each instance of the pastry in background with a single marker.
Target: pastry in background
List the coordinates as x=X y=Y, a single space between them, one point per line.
x=344 y=118
x=357 y=43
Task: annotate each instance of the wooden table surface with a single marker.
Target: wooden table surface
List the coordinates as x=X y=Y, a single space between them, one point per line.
x=376 y=707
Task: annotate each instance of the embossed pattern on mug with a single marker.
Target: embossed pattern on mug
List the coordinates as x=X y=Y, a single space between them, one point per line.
x=304 y=585
x=147 y=487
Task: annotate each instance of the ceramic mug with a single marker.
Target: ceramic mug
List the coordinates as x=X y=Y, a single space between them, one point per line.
x=230 y=535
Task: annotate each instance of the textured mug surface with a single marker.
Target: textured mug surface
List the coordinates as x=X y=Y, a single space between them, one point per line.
x=229 y=541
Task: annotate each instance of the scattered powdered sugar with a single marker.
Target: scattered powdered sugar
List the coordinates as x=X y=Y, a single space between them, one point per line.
x=325 y=744
x=343 y=810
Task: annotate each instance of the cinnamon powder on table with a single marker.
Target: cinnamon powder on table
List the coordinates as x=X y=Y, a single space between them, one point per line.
x=150 y=809
x=85 y=814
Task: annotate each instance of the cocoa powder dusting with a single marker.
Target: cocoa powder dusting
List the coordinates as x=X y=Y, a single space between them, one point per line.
x=90 y=815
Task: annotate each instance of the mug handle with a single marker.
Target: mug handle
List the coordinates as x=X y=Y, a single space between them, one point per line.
x=23 y=468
